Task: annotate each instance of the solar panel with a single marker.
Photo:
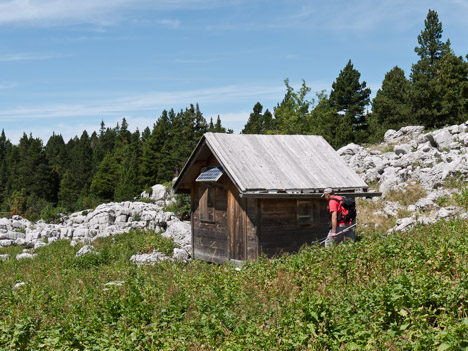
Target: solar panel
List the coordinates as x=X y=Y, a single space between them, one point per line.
x=210 y=174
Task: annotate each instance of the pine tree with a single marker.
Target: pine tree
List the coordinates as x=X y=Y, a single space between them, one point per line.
x=391 y=107
x=349 y=98
x=258 y=123
x=324 y=120
x=105 y=180
x=5 y=147
x=128 y=185
x=80 y=172
x=153 y=149
x=218 y=127
x=57 y=157
x=453 y=85
x=426 y=97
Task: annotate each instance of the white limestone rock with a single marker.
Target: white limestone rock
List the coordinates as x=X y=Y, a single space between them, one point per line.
x=425 y=204
x=447 y=212
x=25 y=255
x=402 y=149
x=180 y=255
x=6 y=242
x=5 y=223
x=86 y=250
x=180 y=232
x=4 y=257
x=403 y=224
x=391 y=208
x=443 y=138
x=39 y=244
x=149 y=259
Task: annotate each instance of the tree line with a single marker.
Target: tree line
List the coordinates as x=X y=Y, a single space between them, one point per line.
x=434 y=95
x=115 y=164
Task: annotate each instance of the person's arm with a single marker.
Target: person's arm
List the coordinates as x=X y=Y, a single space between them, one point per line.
x=334 y=222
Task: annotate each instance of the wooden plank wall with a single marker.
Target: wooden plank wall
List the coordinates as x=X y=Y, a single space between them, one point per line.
x=253 y=221
x=279 y=231
x=210 y=239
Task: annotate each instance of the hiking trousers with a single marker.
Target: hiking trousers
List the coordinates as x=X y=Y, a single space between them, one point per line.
x=349 y=234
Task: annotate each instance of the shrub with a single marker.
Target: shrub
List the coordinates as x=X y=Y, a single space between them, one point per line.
x=181 y=208
x=51 y=214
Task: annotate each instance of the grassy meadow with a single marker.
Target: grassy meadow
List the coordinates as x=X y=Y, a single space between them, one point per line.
x=407 y=291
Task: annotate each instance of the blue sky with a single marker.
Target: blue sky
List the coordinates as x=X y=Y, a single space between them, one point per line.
x=66 y=64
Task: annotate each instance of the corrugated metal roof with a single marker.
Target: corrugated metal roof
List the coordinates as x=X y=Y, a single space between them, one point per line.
x=281 y=162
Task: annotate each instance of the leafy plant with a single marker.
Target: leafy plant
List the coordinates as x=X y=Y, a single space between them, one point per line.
x=181 y=207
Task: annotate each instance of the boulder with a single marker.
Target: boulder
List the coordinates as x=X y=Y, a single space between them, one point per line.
x=180 y=255
x=443 y=138
x=403 y=224
x=149 y=259
x=39 y=244
x=391 y=208
x=86 y=250
x=4 y=257
x=402 y=149
x=180 y=232
x=425 y=204
x=25 y=255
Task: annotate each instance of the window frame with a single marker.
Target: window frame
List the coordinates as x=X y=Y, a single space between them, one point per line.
x=207 y=204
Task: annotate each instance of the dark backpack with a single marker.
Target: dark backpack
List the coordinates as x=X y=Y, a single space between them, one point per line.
x=349 y=204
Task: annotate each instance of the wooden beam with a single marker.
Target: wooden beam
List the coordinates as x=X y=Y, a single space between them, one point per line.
x=303 y=195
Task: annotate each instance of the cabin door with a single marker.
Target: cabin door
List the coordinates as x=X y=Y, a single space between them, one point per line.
x=237 y=226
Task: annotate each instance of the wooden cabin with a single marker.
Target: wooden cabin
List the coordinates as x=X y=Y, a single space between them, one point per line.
x=254 y=194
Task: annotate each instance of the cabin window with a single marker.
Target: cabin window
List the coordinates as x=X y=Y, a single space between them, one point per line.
x=305 y=212
x=207 y=201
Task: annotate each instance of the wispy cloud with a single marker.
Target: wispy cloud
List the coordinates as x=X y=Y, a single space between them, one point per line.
x=153 y=101
x=171 y=23
x=102 y=12
x=30 y=57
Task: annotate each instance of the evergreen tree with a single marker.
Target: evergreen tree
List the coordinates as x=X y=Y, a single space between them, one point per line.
x=218 y=127
x=258 y=123
x=57 y=157
x=324 y=120
x=292 y=113
x=453 y=85
x=128 y=185
x=349 y=98
x=146 y=134
x=80 y=172
x=104 y=181
x=5 y=147
x=426 y=96
x=391 y=107
x=153 y=150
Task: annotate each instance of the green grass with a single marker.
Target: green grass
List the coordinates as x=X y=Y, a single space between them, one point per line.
x=403 y=292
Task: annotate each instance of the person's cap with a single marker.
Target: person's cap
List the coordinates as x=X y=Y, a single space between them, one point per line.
x=327 y=191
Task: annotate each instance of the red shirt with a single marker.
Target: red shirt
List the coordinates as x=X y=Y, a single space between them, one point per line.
x=336 y=206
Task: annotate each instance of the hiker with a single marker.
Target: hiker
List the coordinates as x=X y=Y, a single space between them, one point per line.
x=339 y=225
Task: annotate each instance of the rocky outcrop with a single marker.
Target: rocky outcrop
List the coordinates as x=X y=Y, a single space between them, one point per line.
x=410 y=156
x=105 y=220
